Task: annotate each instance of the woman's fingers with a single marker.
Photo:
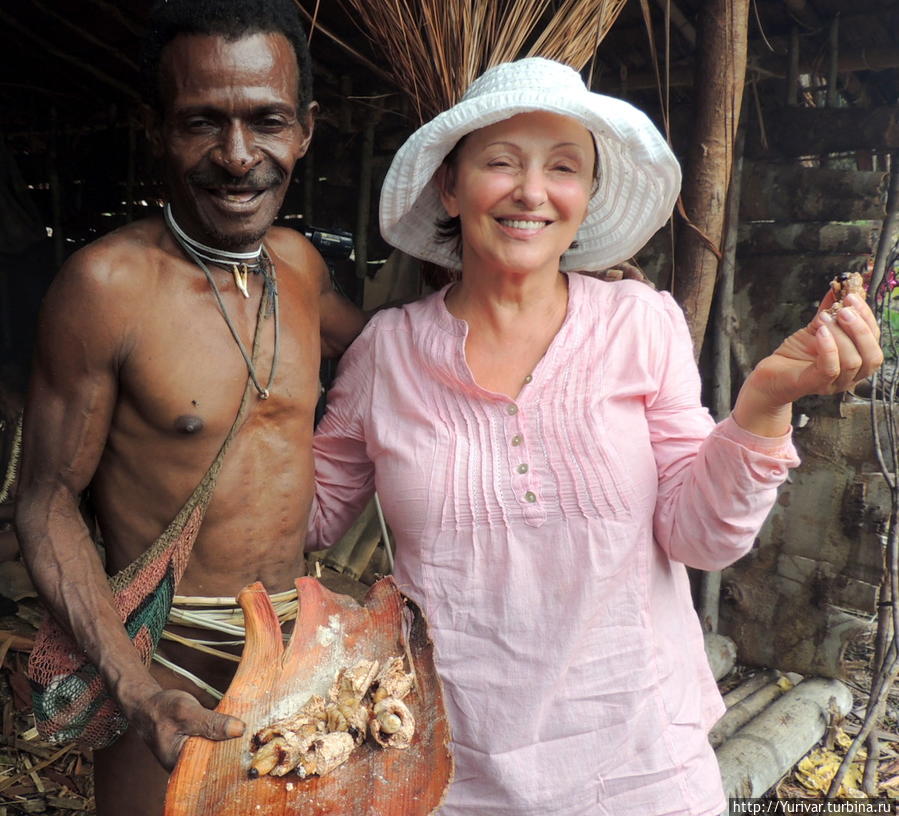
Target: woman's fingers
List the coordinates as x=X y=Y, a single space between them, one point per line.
x=848 y=335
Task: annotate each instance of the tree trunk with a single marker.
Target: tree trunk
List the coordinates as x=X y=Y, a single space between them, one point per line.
x=722 y=65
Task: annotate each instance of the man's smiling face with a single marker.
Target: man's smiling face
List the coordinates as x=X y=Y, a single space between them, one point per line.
x=230 y=134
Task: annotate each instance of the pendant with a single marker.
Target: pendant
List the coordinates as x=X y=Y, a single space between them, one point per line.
x=240 y=278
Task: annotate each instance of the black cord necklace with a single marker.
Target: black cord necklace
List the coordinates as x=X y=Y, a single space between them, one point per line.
x=269 y=304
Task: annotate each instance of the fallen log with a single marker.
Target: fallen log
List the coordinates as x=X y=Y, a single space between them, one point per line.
x=750 y=686
x=742 y=712
x=763 y=750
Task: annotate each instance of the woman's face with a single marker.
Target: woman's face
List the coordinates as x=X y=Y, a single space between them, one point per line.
x=520 y=188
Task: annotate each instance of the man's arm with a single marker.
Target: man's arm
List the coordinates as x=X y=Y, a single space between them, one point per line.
x=341 y=320
x=81 y=343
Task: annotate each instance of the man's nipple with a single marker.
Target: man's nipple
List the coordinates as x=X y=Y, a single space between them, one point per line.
x=188 y=424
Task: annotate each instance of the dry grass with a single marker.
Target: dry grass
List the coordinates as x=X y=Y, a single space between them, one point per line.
x=435 y=48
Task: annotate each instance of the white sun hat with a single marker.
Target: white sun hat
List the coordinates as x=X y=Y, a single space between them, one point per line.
x=639 y=177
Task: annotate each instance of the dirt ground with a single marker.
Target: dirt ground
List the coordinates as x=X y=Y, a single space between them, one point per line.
x=36 y=777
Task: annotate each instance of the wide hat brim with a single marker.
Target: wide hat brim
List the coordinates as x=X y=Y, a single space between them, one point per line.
x=639 y=176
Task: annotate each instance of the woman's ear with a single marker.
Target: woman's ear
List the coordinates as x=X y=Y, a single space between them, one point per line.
x=445 y=178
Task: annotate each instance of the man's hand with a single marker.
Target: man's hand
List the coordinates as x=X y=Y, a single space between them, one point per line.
x=623 y=271
x=167 y=718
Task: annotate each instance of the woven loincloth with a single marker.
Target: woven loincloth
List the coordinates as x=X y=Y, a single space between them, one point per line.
x=221 y=615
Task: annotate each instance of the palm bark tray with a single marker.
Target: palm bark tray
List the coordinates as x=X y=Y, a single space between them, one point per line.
x=332 y=631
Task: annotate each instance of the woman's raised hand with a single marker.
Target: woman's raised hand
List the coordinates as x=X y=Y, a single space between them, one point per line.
x=838 y=349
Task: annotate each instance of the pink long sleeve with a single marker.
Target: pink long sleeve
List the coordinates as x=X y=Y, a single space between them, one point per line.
x=545 y=539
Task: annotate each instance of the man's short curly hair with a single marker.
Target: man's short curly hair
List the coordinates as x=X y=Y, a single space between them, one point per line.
x=231 y=19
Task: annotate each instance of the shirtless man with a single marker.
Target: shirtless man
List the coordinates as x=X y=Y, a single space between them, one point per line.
x=138 y=378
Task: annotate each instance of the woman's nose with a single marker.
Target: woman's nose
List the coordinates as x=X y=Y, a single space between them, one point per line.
x=531 y=189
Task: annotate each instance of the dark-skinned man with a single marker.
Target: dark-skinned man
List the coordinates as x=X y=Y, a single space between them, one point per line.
x=144 y=348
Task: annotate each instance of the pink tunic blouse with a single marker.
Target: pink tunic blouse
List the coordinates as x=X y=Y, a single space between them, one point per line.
x=545 y=539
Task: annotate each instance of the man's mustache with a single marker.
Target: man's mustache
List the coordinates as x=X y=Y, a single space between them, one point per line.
x=259 y=178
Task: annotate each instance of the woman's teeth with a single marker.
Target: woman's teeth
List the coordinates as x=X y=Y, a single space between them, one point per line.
x=520 y=224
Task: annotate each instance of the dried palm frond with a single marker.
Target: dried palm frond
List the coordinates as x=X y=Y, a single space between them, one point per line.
x=434 y=49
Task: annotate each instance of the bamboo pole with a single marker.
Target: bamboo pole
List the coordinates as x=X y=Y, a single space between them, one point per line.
x=721 y=64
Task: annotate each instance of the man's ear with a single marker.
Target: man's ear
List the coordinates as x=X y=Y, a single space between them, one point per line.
x=307 y=122
x=445 y=179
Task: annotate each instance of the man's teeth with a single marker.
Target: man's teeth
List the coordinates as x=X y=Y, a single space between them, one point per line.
x=244 y=195
x=520 y=224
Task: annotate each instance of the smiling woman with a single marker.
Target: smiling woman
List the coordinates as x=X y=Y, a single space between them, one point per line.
x=540 y=452
x=520 y=188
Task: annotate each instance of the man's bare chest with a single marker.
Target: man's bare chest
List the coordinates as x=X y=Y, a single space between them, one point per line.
x=188 y=363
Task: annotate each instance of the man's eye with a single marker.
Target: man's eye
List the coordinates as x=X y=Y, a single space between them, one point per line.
x=272 y=123
x=198 y=125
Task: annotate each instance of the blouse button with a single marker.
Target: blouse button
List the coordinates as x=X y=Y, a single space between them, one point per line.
x=528 y=379
x=517 y=440
x=522 y=468
x=530 y=497
x=511 y=409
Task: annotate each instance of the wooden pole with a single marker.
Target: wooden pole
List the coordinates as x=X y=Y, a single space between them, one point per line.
x=833 y=61
x=309 y=187
x=721 y=70
x=363 y=212
x=710 y=582
x=793 y=69
x=55 y=191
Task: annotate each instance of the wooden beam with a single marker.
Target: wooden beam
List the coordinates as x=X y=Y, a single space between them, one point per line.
x=775 y=67
x=815 y=131
x=792 y=193
x=808 y=238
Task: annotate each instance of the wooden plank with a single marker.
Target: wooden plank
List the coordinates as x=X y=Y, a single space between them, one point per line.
x=793 y=193
x=815 y=131
x=811 y=237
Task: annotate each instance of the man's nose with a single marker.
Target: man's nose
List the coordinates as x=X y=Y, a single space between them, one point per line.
x=237 y=152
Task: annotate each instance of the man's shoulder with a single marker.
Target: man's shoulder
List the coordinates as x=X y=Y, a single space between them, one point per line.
x=292 y=247
x=118 y=260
